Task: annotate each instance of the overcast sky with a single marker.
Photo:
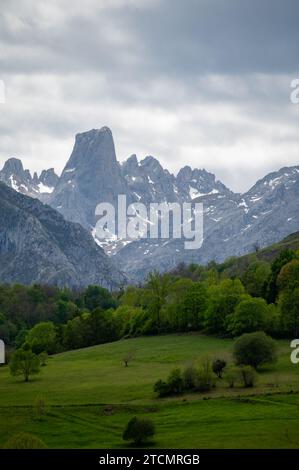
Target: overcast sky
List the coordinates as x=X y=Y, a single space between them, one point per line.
x=204 y=83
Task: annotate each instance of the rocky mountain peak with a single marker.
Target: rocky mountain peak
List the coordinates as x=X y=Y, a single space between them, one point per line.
x=13 y=166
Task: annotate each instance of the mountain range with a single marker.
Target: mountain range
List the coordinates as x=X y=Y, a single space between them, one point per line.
x=37 y=245
x=234 y=224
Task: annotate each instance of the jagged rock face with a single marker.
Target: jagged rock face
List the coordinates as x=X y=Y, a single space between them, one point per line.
x=14 y=175
x=147 y=181
x=49 y=179
x=192 y=184
x=38 y=245
x=234 y=224
x=92 y=175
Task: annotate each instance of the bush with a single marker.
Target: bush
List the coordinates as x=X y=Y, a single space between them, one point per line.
x=24 y=441
x=43 y=358
x=139 y=430
x=218 y=367
x=248 y=376
x=254 y=349
x=205 y=380
x=175 y=382
x=173 y=386
x=189 y=377
x=161 y=388
x=232 y=376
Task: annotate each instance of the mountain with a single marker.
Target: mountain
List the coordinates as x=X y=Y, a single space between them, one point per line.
x=38 y=245
x=234 y=224
x=14 y=175
x=92 y=175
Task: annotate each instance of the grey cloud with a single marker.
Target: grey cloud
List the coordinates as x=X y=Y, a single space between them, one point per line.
x=193 y=82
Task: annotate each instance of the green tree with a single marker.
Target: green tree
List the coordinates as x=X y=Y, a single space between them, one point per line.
x=194 y=304
x=255 y=349
x=288 y=277
x=289 y=305
x=255 y=277
x=42 y=337
x=139 y=430
x=158 y=286
x=249 y=315
x=98 y=297
x=284 y=257
x=223 y=299
x=24 y=362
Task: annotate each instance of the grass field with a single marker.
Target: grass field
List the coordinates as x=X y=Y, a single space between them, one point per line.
x=90 y=396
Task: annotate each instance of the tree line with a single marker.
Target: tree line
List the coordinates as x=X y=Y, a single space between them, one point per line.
x=214 y=299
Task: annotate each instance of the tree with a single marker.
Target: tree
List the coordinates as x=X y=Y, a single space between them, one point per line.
x=223 y=299
x=249 y=315
x=139 y=430
x=218 y=367
x=24 y=362
x=194 y=304
x=289 y=305
x=42 y=337
x=128 y=357
x=288 y=278
x=254 y=349
x=157 y=286
x=255 y=277
x=283 y=258
x=98 y=297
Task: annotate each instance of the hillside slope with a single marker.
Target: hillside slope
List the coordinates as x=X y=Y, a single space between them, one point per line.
x=37 y=245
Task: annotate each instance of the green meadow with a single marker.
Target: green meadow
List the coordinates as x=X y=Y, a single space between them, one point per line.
x=90 y=396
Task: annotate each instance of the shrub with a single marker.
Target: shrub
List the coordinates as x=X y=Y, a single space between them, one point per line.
x=205 y=378
x=231 y=376
x=24 y=441
x=43 y=358
x=139 y=430
x=248 y=376
x=189 y=377
x=218 y=367
x=175 y=382
x=161 y=388
x=254 y=349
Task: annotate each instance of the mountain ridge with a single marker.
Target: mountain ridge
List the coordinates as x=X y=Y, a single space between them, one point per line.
x=234 y=223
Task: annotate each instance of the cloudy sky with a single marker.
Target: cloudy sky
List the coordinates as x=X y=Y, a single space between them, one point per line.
x=204 y=83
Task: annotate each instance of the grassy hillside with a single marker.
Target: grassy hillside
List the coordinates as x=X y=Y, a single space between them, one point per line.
x=237 y=266
x=91 y=395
